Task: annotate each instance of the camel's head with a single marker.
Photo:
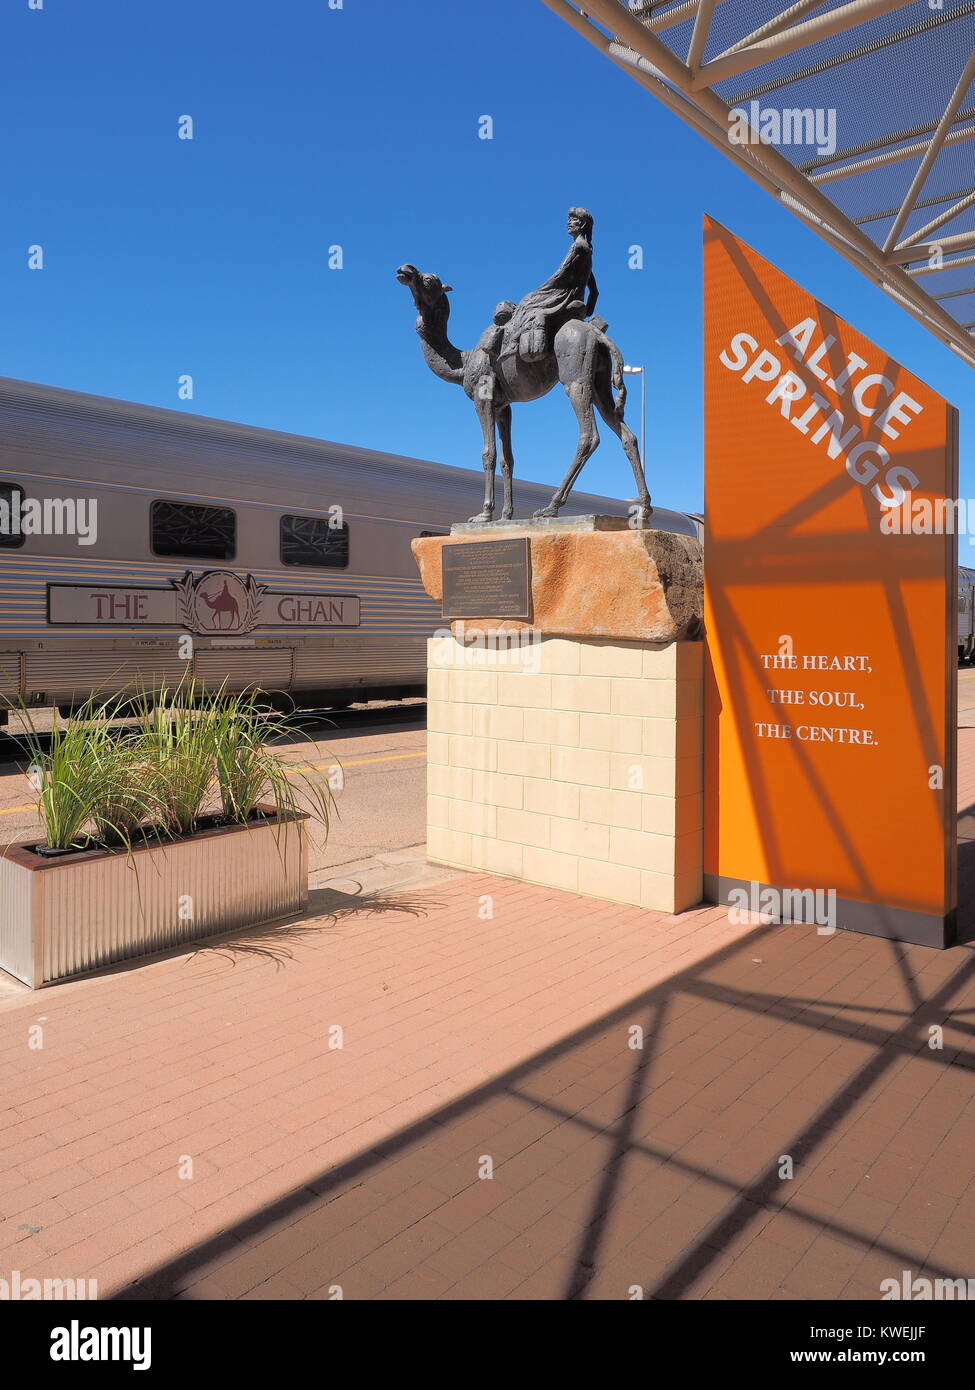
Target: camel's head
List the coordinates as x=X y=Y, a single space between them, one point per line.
x=428 y=291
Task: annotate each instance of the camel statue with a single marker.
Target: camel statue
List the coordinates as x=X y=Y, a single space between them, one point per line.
x=497 y=373
x=223 y=603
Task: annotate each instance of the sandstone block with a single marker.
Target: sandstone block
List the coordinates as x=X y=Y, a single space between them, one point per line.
x=627 y=585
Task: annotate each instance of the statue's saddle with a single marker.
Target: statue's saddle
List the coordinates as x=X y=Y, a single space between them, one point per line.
x=533 y=340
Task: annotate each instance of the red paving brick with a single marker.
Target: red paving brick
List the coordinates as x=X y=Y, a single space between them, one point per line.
x=487 y=1129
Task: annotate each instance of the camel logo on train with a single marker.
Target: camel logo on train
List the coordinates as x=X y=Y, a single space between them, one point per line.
x=219 y=601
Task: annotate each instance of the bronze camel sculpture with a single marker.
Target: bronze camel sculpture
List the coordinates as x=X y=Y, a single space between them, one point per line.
x=495 y=374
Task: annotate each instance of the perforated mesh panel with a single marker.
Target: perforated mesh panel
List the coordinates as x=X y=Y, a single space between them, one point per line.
x=875 y=92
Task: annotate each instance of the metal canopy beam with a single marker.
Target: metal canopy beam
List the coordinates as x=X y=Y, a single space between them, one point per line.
x=658 y=20
x=938 y=269
x=699 y=38
x=932 y=152
x=799 y=36
x=948 y=215
x=885 y=142
x=964 y=241
x=616 y=31
x=912 y=32
x=923 y=203
x=957 y=137
x=780 y=21
x=666 y=19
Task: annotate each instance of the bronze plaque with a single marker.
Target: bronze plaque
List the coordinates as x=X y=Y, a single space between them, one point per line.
x=487 y=579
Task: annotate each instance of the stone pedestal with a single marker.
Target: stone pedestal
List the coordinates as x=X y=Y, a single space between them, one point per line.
x=562 y=756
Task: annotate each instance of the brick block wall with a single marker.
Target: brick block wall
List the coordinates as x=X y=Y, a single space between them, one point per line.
x=570 y=762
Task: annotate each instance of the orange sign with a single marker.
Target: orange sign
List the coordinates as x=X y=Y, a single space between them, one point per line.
x=830 y=608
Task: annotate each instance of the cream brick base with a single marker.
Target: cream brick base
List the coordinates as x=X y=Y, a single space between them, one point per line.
x=570 y=762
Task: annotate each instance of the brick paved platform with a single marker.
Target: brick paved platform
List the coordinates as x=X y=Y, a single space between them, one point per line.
x=486 y=1020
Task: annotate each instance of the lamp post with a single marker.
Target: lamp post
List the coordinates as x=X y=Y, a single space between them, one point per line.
x=641 y=372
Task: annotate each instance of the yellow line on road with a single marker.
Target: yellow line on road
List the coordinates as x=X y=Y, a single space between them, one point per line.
x=315 y=767
x=361 y=762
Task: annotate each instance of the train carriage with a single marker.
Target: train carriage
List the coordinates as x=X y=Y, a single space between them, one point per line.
x=966 y=613
x=141 y=546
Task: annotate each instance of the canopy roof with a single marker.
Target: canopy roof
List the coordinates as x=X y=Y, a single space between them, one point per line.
x=858 y=115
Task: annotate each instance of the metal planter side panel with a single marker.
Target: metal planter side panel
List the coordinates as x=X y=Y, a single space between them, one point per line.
x=106 y=910
x=17 y=913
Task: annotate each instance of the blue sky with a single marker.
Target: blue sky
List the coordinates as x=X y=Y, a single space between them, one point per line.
x=359 y=127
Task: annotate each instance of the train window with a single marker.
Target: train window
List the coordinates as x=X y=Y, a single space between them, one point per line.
x=199 y=533
x=11 y=497
x=310 y=540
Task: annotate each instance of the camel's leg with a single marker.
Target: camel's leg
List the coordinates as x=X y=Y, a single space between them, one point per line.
x=489 y=454
x=606 y=405
x=580 y=394
x=507 y=461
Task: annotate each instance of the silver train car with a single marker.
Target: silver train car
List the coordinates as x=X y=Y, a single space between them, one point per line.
x=142 y=546
x=966 y=613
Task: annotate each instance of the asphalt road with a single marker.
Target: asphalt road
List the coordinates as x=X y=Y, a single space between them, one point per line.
x=966 y=697
x=381 y=806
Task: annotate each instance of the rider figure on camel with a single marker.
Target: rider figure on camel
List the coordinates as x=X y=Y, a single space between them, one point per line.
x=539 y=315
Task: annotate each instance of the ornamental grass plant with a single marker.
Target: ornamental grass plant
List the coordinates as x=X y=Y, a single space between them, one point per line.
x=248 y=771
x=192 y=760
x=87 y=782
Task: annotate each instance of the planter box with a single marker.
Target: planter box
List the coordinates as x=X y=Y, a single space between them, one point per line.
x=67 y=915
